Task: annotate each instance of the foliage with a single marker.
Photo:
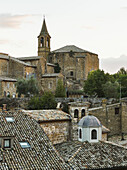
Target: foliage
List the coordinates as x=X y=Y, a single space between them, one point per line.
x=47 y=101
x=27 y=87
x=111 y=89
x=60 y=89
x=57 y=68
x=94 y=82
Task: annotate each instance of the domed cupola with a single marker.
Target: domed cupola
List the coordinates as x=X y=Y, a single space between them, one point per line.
x=89 y=129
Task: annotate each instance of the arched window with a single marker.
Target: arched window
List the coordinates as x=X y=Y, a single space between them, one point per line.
x=83 y=113
x=47 y=42
x=42 y=42
x=80 y=133
x=94 y=134
x=76 y=112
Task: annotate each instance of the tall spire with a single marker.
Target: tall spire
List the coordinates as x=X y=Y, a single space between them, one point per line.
x=44 y=28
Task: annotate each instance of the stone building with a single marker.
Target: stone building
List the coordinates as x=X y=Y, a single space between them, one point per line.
x=7 y=87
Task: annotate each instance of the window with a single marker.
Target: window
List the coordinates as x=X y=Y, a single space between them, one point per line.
x=7 y=143
x=42 y=42
x=94 y=134
x=83 y=113
x=71 y=73
x=47 y=42
x=117 y=111
x=9 y=119
x=80 y=133
x=76 y=112
x=50 y=85
x=24 y=145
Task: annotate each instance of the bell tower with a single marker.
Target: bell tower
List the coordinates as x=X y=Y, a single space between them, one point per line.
x=44 y=41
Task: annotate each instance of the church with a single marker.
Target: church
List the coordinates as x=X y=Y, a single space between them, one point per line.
x=74 y=65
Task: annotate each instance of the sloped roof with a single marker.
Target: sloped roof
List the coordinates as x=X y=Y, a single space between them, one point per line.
x=40 y=155
x=47 y=115
x=29 y=58
x=89 y=121
x=68 y=48
x=101 y=155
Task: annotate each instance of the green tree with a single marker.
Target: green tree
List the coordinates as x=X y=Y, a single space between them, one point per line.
x=57 y=68
x=94 y=82
x=47 y=101
x=123 y=82
x=27 y=87
x=111 y=89
x=60 y=89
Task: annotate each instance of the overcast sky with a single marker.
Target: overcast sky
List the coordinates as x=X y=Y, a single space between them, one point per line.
x=99 y=26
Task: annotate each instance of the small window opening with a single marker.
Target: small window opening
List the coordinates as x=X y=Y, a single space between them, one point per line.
x=42 y=42
x=116 y=111
x=24 y=145
x=9 y=119
x=83 y=113
x=7 y=143
x=50 y=85
x=76 y=113
x=71 y=73
x=94 y=134
x=80 y=133
x=4 y=93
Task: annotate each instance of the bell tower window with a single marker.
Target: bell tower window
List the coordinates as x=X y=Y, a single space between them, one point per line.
x=42 y=42
x=76 y=113
x=47 y=42
x=83 y=113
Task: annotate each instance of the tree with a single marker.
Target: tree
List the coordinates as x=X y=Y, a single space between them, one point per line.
x=27 y=87
x=60 y=89
x=94 y=82
x=57 y=68
x=111 y=89
x=47 y=101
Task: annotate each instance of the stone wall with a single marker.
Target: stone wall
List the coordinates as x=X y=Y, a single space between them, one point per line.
x=16 y=69
x=109 y=117
x=80 y=64
x=3 y=67
x=57 y=132
x=50 y=69
x=50 y=83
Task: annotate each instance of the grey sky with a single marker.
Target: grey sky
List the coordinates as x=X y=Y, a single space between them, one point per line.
x=95 y=25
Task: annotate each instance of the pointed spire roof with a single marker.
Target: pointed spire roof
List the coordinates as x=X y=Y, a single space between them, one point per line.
x=44 y=28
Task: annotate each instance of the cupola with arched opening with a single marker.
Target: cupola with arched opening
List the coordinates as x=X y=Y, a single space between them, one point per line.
x=89 y=129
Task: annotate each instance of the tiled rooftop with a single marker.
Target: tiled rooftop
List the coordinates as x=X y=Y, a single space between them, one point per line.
x=46 y=115
x=40 y=155
x=93 y=155
x=69 y=48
